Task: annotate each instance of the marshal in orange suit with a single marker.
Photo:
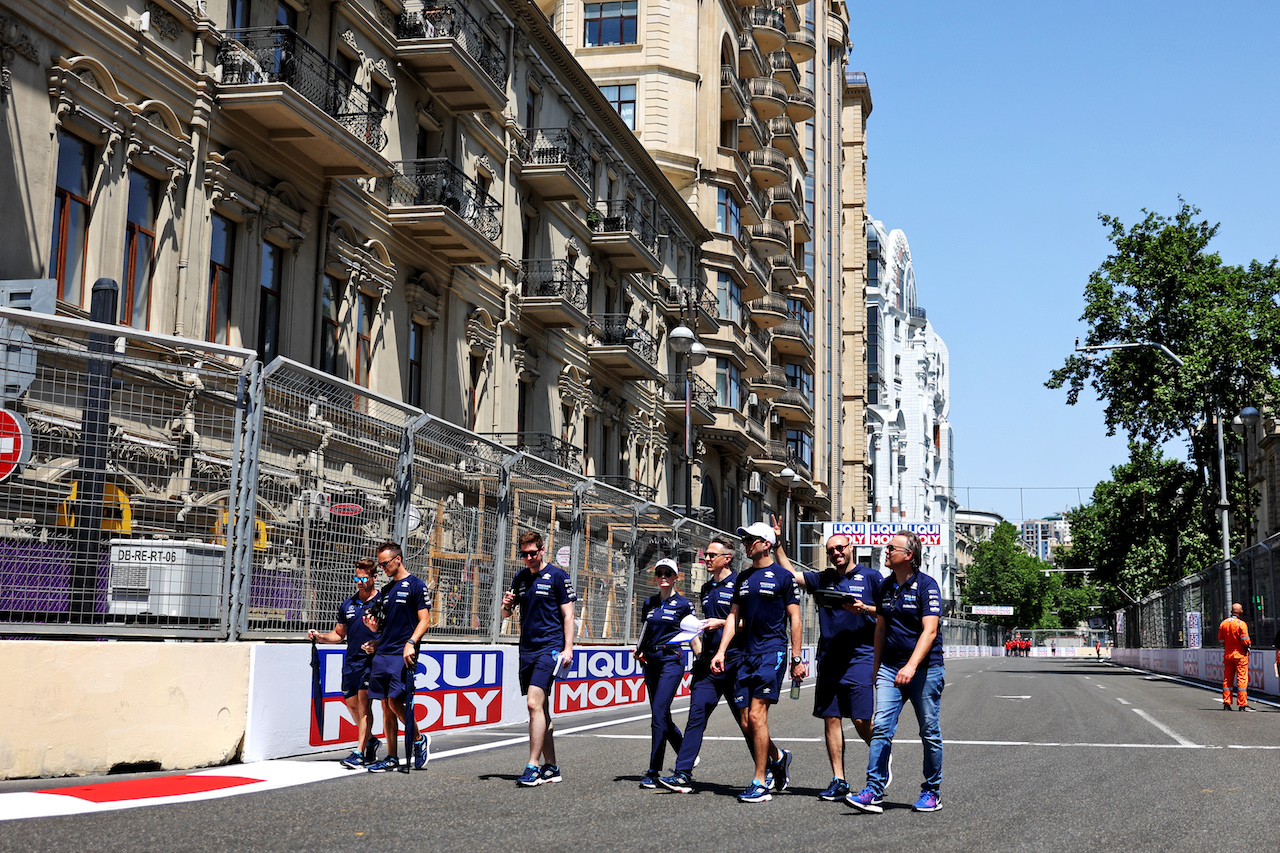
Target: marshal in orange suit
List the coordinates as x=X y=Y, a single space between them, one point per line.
x=1234 y=636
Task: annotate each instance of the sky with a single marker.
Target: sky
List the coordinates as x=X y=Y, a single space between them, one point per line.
x=999 y=132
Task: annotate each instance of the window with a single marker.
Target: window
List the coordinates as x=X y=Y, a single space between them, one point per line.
x=286 y=15
x=269 y=302
x=71 y=216
x=139 y=249
x=800 y=445
x=417 y=341
x=728 y=384
x=237 y=14
x=810 y=191
x=623 y=99
x=367 y=308
x=728 y=214
x=801 y=380
x=610 y=23
x=477 y=369
x=329 y=304
x=222 y=252
x=803 y=316
x=530 y=108
x=729 y=298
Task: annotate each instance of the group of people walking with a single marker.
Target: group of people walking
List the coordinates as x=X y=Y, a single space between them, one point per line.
x=880 y=648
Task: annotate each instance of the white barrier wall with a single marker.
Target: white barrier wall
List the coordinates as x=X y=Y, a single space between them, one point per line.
x=1201 y=664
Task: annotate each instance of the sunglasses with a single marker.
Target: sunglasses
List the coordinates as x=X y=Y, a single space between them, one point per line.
x=382 y=564
x=529 y=555
x=664 y=573
x=834 y=549
x=359 y=579
x=891 y=549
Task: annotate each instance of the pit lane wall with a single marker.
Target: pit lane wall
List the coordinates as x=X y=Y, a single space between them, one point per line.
x=1201 y=665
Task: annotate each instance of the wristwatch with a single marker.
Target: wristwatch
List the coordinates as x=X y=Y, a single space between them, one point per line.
x=795 y=661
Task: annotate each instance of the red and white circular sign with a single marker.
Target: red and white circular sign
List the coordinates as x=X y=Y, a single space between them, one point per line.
x=15 y=442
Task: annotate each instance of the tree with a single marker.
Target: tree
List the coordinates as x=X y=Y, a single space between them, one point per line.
x=1003 y=572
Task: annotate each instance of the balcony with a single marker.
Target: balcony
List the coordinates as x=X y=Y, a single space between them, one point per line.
x=452 y=55
x=623 y=346
x=757 y=350
x=768 y=97
x=760 y=273
x=916 y=316
x=557 y=166
x=544 y=446
x=435 y=204
x=802 y=228
x=626 y=484
x=751 y=62
x=752 y=133
x=768 y=167
x=802 y=45
x=768 y=28
x=776 y=456
x=623 y=234
x=272 y=75
x=782 y=135
x=769 y=310
x=785 y=70
x=702 y=399
x=785 y=272
x=790 y=14
x=783 y=204
x=793 y=406
x=770 y=238
x=733 y=101
x=553 y=294
x=793 y=338
x=770 y=384
x=801 y=105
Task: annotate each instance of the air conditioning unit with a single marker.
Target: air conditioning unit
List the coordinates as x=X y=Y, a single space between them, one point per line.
x=165 y=579
x=775 y=419
x=314 y=504
x=755 y=484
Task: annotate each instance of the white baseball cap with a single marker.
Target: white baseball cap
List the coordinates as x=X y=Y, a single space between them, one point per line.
x=759 y=530
x=669 y=563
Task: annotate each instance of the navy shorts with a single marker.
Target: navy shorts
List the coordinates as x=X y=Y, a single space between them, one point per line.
x=355 y=677
x=852 y=701
x=536 y=669
x=760 y=677
x=386 y=678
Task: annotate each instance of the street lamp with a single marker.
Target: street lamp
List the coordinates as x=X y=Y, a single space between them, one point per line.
x=1224 y=505
x=685 y=343
x=1246 y=420
x=789 y=478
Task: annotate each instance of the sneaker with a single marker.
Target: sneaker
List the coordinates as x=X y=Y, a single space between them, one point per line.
x=1249 y=708
x=768 y=775
x=531 y=777
x=837 y=790
x=928 y=802
x=352 y=761
x=371 y=750
x=386 y=765
x=421 y=751
x=678 y=782
x=756 y=793
x=649 y=780
x=1226 y=706
x=782 y=771
x=866 y=800
x=549 y=773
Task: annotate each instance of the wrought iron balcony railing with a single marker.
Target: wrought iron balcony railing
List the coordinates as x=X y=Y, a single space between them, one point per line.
x=544 y=446
x=766 y=87
x=551 y=146
x=622 y=215
x=433 y=19
x=917 y=313
x=280 y=55
x=758 y=16
x=729 y=80
x=437 y=181
x=620 y=329
x=770 y=158
x=627 y=484
x=770 y=229
x=780 y=60
x=553 y=278
x=794 y=397
x=794 y=329
x=747 y=44
x=701 y=392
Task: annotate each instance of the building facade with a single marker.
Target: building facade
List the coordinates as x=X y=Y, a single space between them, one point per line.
x=1043 y=536
x=910 y=444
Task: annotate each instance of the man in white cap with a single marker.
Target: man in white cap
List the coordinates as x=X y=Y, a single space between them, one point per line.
x=766 y=611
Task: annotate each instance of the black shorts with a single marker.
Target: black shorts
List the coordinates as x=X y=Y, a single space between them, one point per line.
x=355 y=677
x=536 y=669
x=852 y=701
x=386 y=677
x=760 y=677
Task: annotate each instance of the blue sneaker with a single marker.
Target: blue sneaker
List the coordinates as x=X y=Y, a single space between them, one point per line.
x=386 y=765
x=782 y=770
x=865 y=800
x=421 y=751
x=649 y=780
x=352 y=761
x=678 y=782
x=768 y=775
x=371 y=750
x=837 y=790
x=549 y=773
x=928 y=802
x=531 y=777
x=756 y=793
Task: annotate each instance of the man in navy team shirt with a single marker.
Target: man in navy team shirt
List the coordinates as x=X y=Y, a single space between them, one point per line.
x=408 y=613
x=908 y=661
x=545 y=596
x=765 y=606
x=356 y=661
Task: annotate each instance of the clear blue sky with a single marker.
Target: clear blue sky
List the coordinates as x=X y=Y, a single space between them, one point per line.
x=1000 y=131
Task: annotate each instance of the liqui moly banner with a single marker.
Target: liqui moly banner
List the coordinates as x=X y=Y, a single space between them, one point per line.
x=871 y=534
x=606 y=678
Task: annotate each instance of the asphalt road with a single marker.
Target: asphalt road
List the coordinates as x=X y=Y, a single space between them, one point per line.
x=1040 y=754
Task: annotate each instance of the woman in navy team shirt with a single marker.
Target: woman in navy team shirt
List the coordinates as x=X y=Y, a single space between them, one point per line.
x=663 y=664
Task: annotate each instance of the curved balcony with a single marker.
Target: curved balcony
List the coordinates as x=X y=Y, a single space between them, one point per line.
x=553 y=293
x=769 y=310
x=768 y=167
x=752 y=133
x=733 y=101
x=785 y=272
x=802 y=45
x=771 y=384
x=782 y=135
x=768 y=28
x=768 y=97
x=802 y=105
x=623 y=346
x=783 y=204
x=802 y=230
x=785 y=70
x=434 y=203
x=451 y=54
x=751 y=62
x=790 y=14
x=769 y=238
x=792 y=406
x=557 y=165
x=792 y=338
x=702 y=398
x=621 y=232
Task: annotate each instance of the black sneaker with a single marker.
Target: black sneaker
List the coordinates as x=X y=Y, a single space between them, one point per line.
x=386 y=765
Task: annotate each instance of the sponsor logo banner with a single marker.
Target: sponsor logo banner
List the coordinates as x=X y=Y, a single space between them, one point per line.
x=873 y=534
x=606 y=678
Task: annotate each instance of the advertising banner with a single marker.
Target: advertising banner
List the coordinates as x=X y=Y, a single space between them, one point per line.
x=874 y=534
x=606 y=678
x=1193 y=630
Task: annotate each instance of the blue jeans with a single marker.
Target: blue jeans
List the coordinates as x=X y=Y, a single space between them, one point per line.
x=925 y=694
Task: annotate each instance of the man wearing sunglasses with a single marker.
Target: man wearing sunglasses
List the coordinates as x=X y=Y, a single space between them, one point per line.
x=356 y=661
x=846 y=648
x=544 y=593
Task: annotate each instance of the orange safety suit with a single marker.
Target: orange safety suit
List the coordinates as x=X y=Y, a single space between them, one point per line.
x=1234 y=636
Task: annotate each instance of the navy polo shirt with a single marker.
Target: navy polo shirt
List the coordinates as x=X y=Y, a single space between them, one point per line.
x=662 y=619
x=716 y=598
x=904 y=608
x=762 y=596
x=351 y=617
x=539 y=595
x=847 y=638
x=404 y=599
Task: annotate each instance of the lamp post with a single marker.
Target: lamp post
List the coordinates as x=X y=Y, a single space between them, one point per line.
x=1242 y=423
x=685 y=343
x=788 y=477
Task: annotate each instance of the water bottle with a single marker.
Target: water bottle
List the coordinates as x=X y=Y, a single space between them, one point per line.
x=795 y=687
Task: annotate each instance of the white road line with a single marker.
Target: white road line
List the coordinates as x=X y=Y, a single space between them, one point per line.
x=1162 y=727
x=1100 y=686
x=1122 y=701
x=1160 y=676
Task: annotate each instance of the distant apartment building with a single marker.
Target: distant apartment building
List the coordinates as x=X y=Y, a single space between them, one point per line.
x=1043 y=536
